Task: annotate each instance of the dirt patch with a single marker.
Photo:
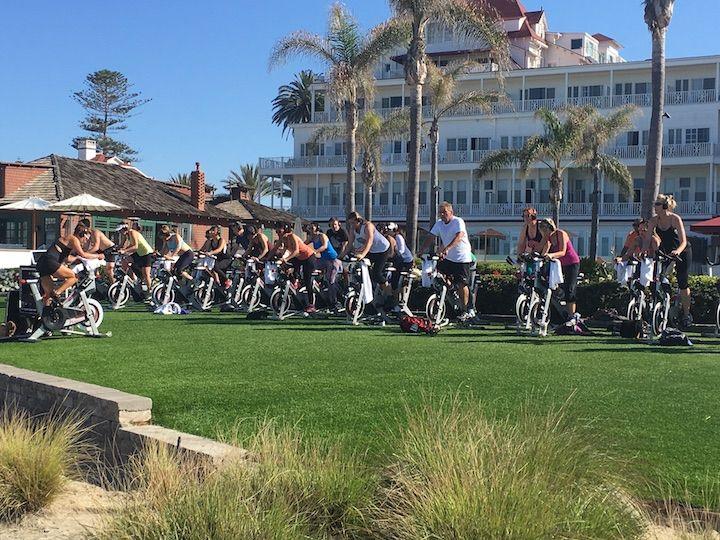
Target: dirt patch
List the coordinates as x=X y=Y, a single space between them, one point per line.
x=80 y=508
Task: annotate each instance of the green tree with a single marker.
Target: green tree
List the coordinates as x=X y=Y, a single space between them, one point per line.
x=109 y=102
x=600 y=131
x=293 y=104
x=258 y=186
x=372 y=131
x=658 y=14
x=350 y=58
x=557 y=149
x=469 y=19
x=182 y=179
x=442 y=91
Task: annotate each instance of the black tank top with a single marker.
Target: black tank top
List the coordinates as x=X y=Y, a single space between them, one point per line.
x=59 y=251
x=214 y=244
x=669 y=238
x=538 y=234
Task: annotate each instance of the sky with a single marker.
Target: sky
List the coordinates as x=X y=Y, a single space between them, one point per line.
x=204 y=64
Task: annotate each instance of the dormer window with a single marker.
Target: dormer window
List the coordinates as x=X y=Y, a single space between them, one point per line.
x=576 y=44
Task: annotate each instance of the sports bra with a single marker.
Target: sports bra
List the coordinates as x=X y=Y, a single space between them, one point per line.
x=538 y=234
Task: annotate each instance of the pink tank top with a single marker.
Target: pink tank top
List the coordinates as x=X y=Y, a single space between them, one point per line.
x=570 y=257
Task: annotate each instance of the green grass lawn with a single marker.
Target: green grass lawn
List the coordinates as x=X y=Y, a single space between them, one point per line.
x=657 y=406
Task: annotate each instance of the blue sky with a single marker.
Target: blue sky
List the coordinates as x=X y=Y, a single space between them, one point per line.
x=204 y=64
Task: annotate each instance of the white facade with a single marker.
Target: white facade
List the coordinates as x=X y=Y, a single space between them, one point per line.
x=690 y=164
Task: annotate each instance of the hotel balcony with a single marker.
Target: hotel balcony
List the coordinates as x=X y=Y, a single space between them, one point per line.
x=509 y=211
x=698 y=152
x=532 y=105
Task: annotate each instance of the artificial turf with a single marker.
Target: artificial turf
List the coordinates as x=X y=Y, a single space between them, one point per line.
x=656 y=406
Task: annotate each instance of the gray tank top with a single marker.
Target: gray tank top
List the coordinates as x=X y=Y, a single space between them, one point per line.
x=380 y=244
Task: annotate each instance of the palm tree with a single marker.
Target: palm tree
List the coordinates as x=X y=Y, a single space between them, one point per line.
x=293 y=104
x=350 y=58
x=600 y=131
x=441 y=88
x=657 y=17
x=556 y=149
x=180 y=178
x=372 y=131
x=470 y=19
x=257 y=186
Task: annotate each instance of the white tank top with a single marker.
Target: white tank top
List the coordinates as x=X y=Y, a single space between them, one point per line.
x=380 y=244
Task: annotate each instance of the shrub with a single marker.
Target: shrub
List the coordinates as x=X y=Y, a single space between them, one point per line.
x=463 y=474
x=496 y=268
x=291 y=488
x=8 y=280
x=601 y=295
x=36 y=458
x=497 y=294
x=705 y=294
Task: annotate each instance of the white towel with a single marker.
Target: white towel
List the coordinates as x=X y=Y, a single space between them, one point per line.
x=646 y=271
x=206 y=262
x=88 y=264
x=556 y=275
x=624 y=272
x=428 y=272
x=270 y=273
x=367 y=288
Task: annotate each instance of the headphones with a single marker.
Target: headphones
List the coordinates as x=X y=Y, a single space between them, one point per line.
x=665 y=205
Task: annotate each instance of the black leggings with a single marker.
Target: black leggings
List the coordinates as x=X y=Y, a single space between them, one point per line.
x=221 y=266
x=307 y=266
x=377 y=272
x=570 y=278
x=682 y=268
x=183 y=262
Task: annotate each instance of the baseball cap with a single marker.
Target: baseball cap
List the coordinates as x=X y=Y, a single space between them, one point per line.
x=392 y=226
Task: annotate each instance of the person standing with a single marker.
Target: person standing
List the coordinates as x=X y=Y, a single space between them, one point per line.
x=455 y=253
x=557 y=245
x=337 y=236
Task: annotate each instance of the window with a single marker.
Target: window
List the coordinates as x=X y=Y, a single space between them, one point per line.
x=623 y=89
x=336 y=192
x=423 y=192
x=519 y=141
x=15 y=232
x=701 y=189
x=633 y=138
x=544 y=190
x=573 y=91
x=476 y=191
x=310 y=149
x=538 y=93
x=480 y=143
x=684 y=189
x=461 y=192
x=384 y=195
x=576 y=44
x=392 y=102
x=674 y=136
x=456 y=145
x=638 y=184
x=488 y=185
x=447 y=193
x=608 y=197
x=504 y=144
x=341 y=149
x=593 y=91
x=503 y=191
x=398 y=195
x=645 y=136
x=697 y=135
x=605 y=246
x=642 y=88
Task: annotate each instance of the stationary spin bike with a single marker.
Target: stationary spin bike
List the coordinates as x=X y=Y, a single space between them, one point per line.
x=75 y=314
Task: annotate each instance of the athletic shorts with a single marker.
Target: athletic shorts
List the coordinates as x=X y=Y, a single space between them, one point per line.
x=141 y=261
x=47 y=266
x=459 y=272
x=682 y=268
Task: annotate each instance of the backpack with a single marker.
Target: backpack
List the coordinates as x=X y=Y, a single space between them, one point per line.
x=631 y=329
x=673 y=337
x=418 y=325
x=257 y=315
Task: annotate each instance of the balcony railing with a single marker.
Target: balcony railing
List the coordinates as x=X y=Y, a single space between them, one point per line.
x=507 y=210
x=532 y=105
x=670 y=151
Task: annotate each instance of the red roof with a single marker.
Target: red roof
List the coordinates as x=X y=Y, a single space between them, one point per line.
x=709 y=226
x=508 y=9
x=534 y=17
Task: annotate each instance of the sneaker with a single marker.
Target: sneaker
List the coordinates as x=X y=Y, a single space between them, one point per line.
x=396 y=309
x=465 y=317
x=471 y=313
x=310 y=309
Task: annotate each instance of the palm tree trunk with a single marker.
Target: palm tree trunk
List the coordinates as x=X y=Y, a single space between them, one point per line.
x=351 y=122
x=595 y=219
x=413 y=188
x=653 y=160
x=556 y=197
x=368 y=201
x=434 y=162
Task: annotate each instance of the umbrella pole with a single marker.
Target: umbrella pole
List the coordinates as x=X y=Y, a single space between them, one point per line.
x=486 y=246
x=33 y=225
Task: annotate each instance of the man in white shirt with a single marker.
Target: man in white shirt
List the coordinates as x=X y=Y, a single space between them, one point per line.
x=455 y=253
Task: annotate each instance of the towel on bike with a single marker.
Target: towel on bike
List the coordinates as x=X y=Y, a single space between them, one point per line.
x=88 y=264
x=556 y=275
x=428 y=269
x=367 y=287
x=270 y=273
x=646 y=271
x=624 y=272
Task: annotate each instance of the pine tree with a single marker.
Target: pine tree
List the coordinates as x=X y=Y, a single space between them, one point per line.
x=109 y=102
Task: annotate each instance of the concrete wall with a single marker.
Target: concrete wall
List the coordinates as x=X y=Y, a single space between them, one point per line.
x=120 y=423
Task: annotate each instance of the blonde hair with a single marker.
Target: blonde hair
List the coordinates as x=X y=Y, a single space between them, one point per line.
x=549 y=223
x=668 y=201
x=445 y=205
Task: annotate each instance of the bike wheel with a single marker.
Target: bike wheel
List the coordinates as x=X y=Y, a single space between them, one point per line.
x=659 y=320
x=118 y=295
x=276 y=302
x=160 y=292
x=535 y=313
x=96 y=313
x=202 y=300
x=631 y=311
x=522 y=309
x=717 y=317
x=354 y=306
x=434 y=310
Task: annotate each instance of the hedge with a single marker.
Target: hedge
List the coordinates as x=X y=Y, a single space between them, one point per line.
x=8 y=280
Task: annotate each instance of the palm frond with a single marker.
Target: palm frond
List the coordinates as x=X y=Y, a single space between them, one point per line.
x=382 y=39
x=303 y=44
x=616 y=172
x=497 y=161
x=327 y=133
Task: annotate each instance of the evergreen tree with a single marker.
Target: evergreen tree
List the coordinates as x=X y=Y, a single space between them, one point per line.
x=109 y=102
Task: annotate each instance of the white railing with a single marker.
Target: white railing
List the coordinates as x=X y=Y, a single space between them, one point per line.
x=620 y=209
x=691 y=96
x=669 y=151
x=639 y=100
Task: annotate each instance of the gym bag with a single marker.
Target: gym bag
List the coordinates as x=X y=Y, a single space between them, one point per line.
x=418 y=325
x=673 y=337
x=631 y=329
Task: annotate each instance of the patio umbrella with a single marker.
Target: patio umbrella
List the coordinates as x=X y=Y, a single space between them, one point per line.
x=490 y=233
x=32 y=205
x=83 y=203
x=709 y=226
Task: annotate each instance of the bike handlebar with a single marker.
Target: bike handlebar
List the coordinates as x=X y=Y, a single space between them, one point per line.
x=710 y=263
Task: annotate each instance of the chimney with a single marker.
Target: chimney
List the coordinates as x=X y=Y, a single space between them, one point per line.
x=197 y=188
x=239 y=193
x=87 y=149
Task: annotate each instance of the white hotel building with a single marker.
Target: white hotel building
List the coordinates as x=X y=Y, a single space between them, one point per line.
x=550 y=69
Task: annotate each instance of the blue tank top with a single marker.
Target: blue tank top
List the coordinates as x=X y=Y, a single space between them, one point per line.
x=329 y=254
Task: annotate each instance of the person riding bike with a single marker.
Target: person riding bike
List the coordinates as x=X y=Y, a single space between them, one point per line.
x=217 y=246
x=336 y=235
x=302 y=256
x=51 y=263
x=673 y=241
x=140 y=250
x=403 y=259
x=367 y=242
x=98 y=242
x=258 y=245
x=644 y=244
x=530 y=236
x=631 y=240
x=557 y=245
x=455 y=254
x=326 y=259
x=175 y=246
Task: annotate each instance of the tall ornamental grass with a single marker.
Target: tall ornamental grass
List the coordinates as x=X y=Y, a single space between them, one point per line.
x=37 y=456
x=462 y=474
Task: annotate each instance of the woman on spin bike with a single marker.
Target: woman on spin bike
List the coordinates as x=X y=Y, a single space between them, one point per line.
x=217 y=246
x=51 y=263
x=302 y=256
x=326 y=259
x=98 y=242
x=673 y=241
x=367 y=241
x=258 y=245
x=175 y=246
x=557 y=245
x=530 y=238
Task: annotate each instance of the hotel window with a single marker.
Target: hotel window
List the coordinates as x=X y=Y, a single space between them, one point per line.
x=593 y=91
x=519 y=141
x=319 y=101
x=623 y=89
x=544 y=190
x=608 y=196
x=476 y=191
x=461 y=192
x=503 y=192
x=456 y=145
x=423 y=192
x=642 y=88
x=359 y=194
x=605 y=246
x=633 y=138
x=504 y=143
x=529 y=191
x=675 y=136
x=538 y=93
x=310 y=149
x=638 y=184
x=447 y=191
x=15 y=232
x=341 y=149
x=701 y=189
x=684 y=189
x=697 y=135
x=683 y=85
x=580 y=246
x=576 y=44
x=393 y=102
x=645 y=136
x=480 y=143
x=336 y=192
x=384 y=195
x=573 y=91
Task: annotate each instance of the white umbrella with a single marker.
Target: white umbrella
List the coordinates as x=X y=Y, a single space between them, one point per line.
x=83 y=203
x=32 y=205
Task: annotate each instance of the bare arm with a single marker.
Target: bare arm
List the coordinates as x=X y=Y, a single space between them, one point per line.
x=350 y=242
x=324 y=244
x=680 y=226
x=220 y=248
x=522 y=241
x=291 y=247
x=562 y=246
x=78 y=250
x=370 y=237
x=131 y=245
x=265 y=248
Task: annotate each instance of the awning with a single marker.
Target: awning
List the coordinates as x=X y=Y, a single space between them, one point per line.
x=709 y=226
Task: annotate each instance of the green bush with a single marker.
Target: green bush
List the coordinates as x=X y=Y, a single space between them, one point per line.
x=8 y=280
x=705 y=293
x=37 y=456
x=497 y=294
x=463 y=474
x=601 y=295
x=496 y=268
